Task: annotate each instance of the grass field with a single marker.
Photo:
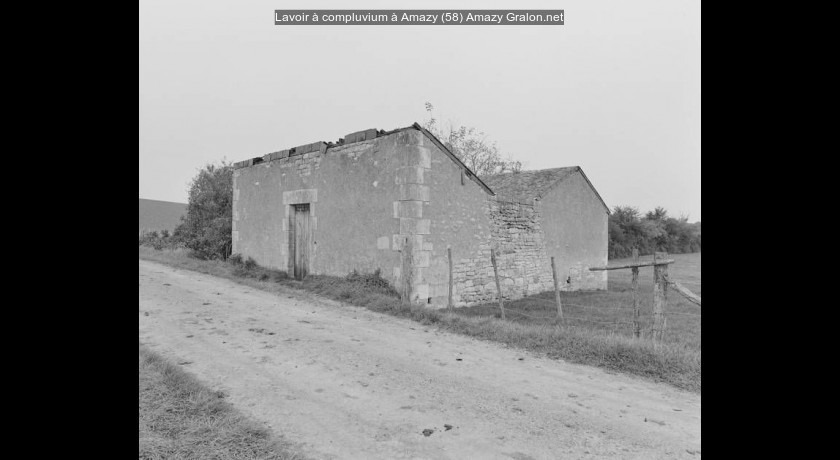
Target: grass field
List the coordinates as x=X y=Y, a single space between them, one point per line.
x=611 y=311
x=159 y=215
x=182 y=419
x=596 y=331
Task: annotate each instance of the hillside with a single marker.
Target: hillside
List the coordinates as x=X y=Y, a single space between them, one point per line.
x=159 y=215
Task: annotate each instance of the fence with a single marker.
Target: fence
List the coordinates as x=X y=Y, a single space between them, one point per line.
x=660 y=290
x=661 y=284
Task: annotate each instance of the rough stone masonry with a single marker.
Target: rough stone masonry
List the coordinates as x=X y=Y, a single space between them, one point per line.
x=396 y=201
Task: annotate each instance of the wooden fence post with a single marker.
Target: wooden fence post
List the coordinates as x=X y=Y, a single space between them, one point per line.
x=498 y=287
x=660 y=290
x=637 y=327
x=449 y=252
x=556 y=290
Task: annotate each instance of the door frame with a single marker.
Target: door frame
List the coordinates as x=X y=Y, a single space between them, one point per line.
x=299 y=271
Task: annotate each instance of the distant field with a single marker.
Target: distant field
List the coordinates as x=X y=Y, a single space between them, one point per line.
x=159 y=215
x=686 y=270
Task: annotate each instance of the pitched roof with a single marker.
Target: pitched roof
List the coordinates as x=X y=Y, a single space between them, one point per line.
x=359 y=136
x=527 y=185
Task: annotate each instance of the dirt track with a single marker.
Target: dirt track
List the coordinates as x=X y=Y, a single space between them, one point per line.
x=345 y=382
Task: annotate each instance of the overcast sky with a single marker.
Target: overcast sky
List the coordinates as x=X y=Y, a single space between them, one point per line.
x=616 y=90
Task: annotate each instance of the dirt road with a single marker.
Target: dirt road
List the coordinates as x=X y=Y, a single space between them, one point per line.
x=345 y=382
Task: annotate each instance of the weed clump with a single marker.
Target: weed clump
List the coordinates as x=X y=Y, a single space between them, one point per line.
x=250 y=264
x=158 y=241
x=372 y=281
x=249 y=268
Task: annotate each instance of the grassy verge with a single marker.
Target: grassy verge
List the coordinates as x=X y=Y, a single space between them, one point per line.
x=592 y=334
x=182 y=419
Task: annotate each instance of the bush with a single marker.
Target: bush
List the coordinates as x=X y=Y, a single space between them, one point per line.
x=372 y=280
x=250 y=264
x=206 y=228
x=157 y=240
x=146 y=238
x=250 y=269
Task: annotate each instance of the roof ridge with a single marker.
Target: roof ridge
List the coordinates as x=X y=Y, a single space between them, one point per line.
x=535 y=170
x=535 y=183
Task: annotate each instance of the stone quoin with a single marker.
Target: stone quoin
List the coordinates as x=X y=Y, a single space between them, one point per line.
x=395 y=201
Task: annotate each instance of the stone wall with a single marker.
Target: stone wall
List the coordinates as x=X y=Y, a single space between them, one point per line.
x=576 y=233
x=524 y=268
x=375 y=191
x=351 y=189
x=517 y=238
x=414 y=227
x=458 y=222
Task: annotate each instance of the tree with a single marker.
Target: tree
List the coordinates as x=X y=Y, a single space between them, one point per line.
x=659 y=223
x=206 y=228
x=656 y=231
x=471 y=147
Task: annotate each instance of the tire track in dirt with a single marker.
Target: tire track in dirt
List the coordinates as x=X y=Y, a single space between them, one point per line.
x=349 y=383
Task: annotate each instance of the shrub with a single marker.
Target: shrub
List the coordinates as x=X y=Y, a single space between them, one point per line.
x=157 y=240
x=250 y=264
x=372 y=280
x=206 y=228
x=146 y=238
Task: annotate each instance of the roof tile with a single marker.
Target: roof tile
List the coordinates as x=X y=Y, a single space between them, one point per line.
x=527 y=185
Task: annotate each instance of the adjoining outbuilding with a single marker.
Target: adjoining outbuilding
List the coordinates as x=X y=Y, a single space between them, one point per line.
x=395 y=201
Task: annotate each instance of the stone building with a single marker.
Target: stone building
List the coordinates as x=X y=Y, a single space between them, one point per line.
x=396 y=201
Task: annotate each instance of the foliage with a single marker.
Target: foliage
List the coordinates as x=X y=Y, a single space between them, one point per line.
x=250 y=263
x=206 y=228
x=472 y=147
x=249 y=268
x=656 y=231
x=180 y=417
x=158 y=240
x=235 y=259
x=373 y=281
x=676 y=360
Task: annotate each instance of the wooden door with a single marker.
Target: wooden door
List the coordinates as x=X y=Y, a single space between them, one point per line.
x=301 y=240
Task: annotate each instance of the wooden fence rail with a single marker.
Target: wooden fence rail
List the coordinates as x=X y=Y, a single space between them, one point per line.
x=692 y=297
x=661 y=282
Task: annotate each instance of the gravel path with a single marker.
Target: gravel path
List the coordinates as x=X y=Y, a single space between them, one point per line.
x=345 y=382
